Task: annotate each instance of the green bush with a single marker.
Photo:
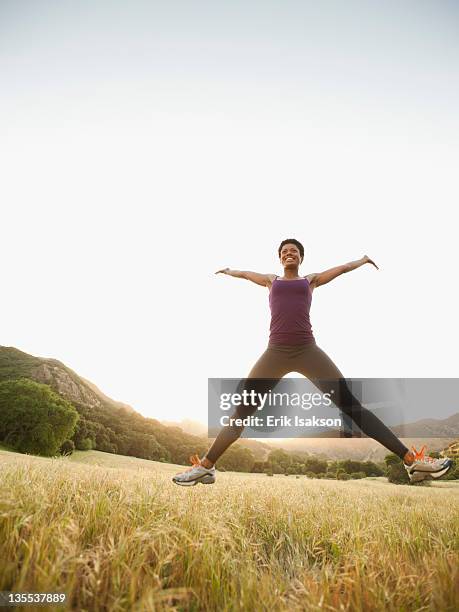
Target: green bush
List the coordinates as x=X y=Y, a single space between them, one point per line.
x=33 y=418
x=396 y=472
x=85 y=444
x=237 y=459
x=258 y=467
x=281 y=459
x=453 y=474
x=67 y=447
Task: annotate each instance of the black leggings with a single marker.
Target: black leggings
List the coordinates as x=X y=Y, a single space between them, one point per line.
x=312 y=362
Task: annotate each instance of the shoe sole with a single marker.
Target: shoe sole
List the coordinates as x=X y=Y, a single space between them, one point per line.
x=206 y=479
x=418 y=476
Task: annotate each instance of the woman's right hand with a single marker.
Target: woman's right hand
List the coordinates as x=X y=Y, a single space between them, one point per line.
x=223 y=271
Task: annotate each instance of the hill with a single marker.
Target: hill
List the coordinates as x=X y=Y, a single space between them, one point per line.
x=105 y=424
x=17 y=364
x=430 y=428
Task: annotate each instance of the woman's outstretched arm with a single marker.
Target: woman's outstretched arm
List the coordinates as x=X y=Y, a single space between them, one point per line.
x=322 y=278
x=260 y=279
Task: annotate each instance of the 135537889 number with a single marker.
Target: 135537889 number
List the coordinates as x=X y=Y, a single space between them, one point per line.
x=9 y=598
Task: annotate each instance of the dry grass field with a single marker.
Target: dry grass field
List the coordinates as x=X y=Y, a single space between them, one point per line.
x=114 y=533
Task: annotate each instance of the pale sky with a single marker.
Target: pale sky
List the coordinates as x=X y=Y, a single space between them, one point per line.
x=145 y=145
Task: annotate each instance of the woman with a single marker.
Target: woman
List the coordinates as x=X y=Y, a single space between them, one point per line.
x=292 y=348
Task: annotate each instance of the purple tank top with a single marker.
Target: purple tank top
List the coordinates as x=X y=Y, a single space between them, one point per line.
x=290 y=302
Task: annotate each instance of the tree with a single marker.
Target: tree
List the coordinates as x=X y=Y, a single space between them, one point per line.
x=85 y=444
x=299 y=456
x=144 y=446
x=296 y=468
x=85 y=435
x=237 y=459
x=258 y=467
x=104 y=437
x=67 y=447
x=33 y=418
x=371 y=469
x=391 y=459
x=315 y=465
x=280 y=458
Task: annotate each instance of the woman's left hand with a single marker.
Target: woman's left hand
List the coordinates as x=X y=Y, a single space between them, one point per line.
x=366 y=259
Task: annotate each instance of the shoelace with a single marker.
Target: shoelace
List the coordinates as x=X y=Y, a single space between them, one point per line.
x=195 y=460
x=420 y=455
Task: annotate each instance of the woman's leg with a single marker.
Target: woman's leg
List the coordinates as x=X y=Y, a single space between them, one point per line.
x=264 y=375
x=316 y=365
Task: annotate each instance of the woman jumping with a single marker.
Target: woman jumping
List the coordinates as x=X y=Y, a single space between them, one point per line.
x=292 y=348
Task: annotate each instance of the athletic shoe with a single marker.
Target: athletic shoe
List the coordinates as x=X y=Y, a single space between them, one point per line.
x=427 y=468
x=195 y=474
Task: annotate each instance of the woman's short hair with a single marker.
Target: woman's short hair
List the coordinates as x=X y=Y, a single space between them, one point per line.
x=295 y=242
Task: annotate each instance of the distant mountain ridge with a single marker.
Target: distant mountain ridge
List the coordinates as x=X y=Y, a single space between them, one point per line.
x=430 y=428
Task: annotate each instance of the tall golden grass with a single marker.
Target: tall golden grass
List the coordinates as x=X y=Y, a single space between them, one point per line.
x=129 y=539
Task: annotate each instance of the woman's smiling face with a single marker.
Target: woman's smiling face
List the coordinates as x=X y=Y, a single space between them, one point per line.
x=290 y=256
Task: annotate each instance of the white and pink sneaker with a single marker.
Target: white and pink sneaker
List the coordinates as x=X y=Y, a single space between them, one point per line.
x=427 y=468
x=195 y=474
